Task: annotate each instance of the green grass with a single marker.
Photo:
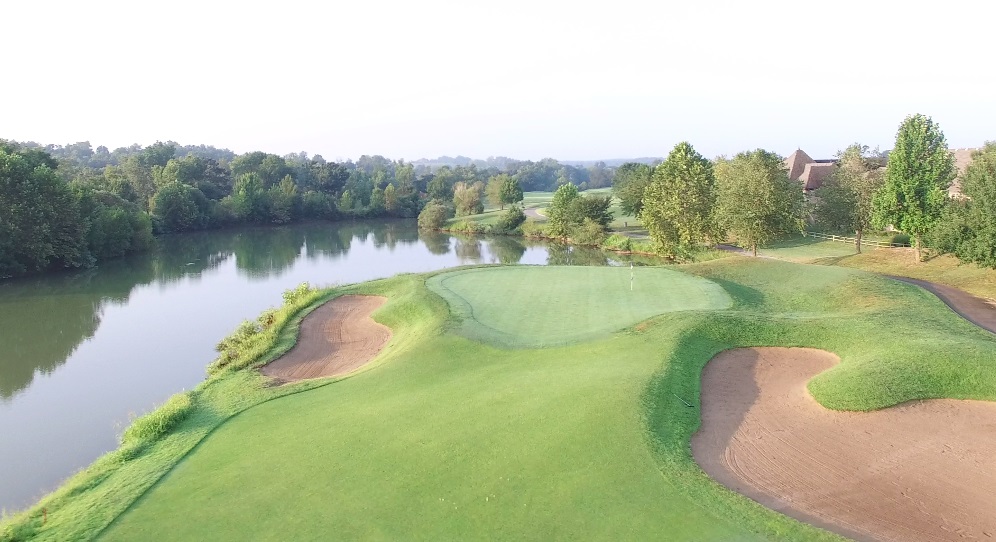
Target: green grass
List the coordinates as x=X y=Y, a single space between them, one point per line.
x=445 y=437
x=944 y=269
x=528 y=307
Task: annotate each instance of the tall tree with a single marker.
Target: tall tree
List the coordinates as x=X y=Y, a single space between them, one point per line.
x=510 y=192
x=755 y=200
x=629 y=184
x=679 y=202
x=845 y=199
x=919 y=171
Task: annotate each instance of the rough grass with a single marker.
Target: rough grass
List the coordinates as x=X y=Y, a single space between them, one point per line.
x=160 y=421
x=448 y=438
x=529 y=307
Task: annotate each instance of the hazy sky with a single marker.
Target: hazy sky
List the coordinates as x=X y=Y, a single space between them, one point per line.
x=569 y=80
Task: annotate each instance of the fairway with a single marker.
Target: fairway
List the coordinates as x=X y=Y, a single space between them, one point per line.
x=527 y=307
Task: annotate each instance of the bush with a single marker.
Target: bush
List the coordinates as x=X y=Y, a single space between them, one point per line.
x=589 y=233
x=531 y=228
x=160 y=421
x=510 y=220
x=618 y=242
x=468 y=226
x=433 y=217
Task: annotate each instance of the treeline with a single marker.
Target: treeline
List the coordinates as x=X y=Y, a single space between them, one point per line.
x=688 y=202
x=114 y=198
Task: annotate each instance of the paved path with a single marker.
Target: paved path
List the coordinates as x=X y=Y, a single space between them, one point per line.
x=979 y=311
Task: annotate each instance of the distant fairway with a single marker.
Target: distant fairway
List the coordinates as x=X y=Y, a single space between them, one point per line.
x=524 y=307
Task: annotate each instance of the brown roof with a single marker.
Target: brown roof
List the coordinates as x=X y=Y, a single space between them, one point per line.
x=962 y=158
x=814 y=174
x=796 y=163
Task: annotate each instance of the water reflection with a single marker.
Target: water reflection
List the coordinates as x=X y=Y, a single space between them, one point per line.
x=560 y=254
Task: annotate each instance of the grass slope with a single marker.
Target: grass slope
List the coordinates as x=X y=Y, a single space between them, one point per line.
x=450 y=438
x=522 y=307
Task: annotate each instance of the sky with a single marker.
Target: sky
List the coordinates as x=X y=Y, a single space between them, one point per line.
x=524 y=79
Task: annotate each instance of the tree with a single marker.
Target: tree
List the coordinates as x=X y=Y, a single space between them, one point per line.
x=845 y=199
x=755 y=200
x=678 y=204
x=40 y=227
x=970 y=222
x=510 y=191
x=433 y=217
x=493 y=189
x=569 y=210
x=559 y=217
x=249 y=199
x=467 y=199
x=919 y=171
x=390 y=199
x=629 y=184
x=283 y=201
x=378 y=203
x=175 y=208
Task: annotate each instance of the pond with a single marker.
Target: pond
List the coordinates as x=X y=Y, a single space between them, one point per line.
x=83 y=353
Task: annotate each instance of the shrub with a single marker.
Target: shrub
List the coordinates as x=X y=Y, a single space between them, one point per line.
x=510 y=220
x=618 y=242
x=589 y=233
x=160 y=421
x=433 y=217
x=468 y=226
x=531 y=228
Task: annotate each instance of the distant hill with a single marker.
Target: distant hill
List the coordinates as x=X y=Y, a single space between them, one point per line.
x=614 y=162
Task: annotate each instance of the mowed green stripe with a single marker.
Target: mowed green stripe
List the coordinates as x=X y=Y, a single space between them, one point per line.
x=527 y=307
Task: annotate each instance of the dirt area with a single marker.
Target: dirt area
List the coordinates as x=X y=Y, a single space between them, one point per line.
x=923 y=470
x=336 y=338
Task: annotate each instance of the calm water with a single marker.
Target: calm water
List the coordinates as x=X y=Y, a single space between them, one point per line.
x=83 y=353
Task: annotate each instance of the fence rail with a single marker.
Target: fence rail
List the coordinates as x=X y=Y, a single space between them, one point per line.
x=842 y=239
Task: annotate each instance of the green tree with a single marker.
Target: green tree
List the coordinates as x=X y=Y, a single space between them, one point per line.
x=560 y=220
x=346 y=203
x=493 y=189
x=845 y=199
x=283 y=200
x=970 y=221
x=678 y=204
x=175 y=208
x=919 y=171
x=249 y=199
x=755 y=200
x=433 y=217
x=467 y=199
x=390 y=199
x=510 y=191
x=378 y=202
x=40 y=226
x=629 y=183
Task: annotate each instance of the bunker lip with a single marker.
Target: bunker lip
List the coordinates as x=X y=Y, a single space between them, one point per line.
x=336 y=338
x=922 y=470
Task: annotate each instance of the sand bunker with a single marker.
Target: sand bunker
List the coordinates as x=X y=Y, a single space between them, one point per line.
x=924 y=470
x=336 y=338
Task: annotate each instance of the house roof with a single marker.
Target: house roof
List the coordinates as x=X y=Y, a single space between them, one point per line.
x=796 y=163
x=814 y=174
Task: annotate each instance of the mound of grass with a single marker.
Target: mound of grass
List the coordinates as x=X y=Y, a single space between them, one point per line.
x=525 y=307
x=160 y=421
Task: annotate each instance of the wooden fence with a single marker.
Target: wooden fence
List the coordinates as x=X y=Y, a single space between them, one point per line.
x=842 y=239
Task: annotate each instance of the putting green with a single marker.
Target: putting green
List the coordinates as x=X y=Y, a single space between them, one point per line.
x=527 y=307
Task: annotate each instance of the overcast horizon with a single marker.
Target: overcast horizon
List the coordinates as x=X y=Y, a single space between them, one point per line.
x=522 y=80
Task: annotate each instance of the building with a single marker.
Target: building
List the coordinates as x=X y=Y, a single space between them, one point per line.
x=811 y=173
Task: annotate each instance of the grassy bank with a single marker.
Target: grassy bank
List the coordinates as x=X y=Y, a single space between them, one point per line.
x=944 y=269
x=447 y=437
